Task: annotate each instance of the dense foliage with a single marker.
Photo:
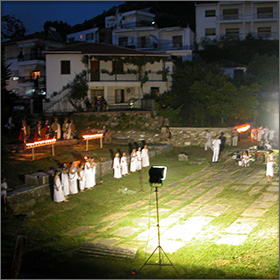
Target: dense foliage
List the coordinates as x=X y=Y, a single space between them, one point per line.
x=201 y=95
x=11 y=28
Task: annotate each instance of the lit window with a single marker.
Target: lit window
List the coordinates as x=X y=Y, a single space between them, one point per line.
x=81 y=36
x=35 y=75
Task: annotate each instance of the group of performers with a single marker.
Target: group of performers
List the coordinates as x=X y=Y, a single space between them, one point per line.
x=139 y=158
x=46 y=131
x=73 y=178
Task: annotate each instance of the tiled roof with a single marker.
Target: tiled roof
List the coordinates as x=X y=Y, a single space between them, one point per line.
x=102 y=49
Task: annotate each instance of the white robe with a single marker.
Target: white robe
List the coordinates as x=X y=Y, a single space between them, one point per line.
x=73 y=186
x=82 y=180
x=145 y=157
x=117 y=168
x=124 y=166
x=58 y=195
x=89 y=176
x=216 y=149
x=139 y=160
x=133 y=162
x=269 y=166
x=65 y=183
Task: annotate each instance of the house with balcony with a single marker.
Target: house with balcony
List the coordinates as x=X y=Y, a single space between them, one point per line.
x=137 y=30
x=27 y=62
x=112 y=74
x=237 y=19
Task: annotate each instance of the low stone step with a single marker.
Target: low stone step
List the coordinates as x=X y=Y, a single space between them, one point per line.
x=101 y=250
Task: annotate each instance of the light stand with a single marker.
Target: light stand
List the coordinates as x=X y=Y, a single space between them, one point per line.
x=159 y=248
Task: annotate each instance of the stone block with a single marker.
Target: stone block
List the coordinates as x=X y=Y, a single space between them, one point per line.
x=183 y=157
x=31 y=180
x=43 y=178
x=187 y=143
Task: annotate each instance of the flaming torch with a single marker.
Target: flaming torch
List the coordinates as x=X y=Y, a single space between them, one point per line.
x=243 y=128
x=40 y=144
x=93 y=136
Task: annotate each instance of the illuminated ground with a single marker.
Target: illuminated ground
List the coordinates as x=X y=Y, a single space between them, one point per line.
x=216 y=221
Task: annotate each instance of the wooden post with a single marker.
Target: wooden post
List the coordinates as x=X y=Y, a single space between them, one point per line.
x=33 y=156
x=87 y=145
x=101 y=143
x=17 y=259
x=52 y=149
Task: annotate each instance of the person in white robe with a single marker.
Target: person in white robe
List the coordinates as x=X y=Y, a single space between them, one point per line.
x=208 y=143
x=145 y=156
x=269 y=166
x=90 y=170
x=216 y=148
x=133 y=161
x=124 y=165
x=65 y=180
x=81 y=177
x=58 y=195
x=73 y=176
x=139 y=159
x=117 y=166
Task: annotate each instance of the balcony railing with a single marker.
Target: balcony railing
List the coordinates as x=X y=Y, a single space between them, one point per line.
x=134 y=24
x=26 y=57
x=247 y=17
x=28 y=79
x=160 y=46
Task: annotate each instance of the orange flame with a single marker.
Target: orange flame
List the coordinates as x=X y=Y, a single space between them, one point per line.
x=243 y=128
x=93 y=136
x=40 y=143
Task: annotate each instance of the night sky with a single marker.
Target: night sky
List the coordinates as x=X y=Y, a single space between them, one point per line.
x=34 y=14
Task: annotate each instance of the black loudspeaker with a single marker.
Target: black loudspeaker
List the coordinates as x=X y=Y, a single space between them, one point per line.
x=157 y=174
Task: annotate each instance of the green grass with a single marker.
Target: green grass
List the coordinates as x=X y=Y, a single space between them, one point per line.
x=49 y=253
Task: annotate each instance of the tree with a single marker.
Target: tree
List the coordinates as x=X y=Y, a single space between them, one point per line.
x=12 y=28
x=62 y=28
x=264 y=70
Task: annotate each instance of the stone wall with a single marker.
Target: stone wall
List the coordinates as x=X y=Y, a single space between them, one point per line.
x=40 y=185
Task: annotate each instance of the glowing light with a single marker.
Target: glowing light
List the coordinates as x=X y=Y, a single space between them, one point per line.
x=93 y=136
x=40 y=143
x=243 y=128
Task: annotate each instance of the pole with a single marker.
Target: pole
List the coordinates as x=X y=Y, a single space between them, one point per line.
x=33 y=156
x=101 y=144
x=87 y=145
x=52 y=149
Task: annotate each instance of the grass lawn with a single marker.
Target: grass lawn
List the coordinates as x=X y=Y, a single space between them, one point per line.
x=52 y=251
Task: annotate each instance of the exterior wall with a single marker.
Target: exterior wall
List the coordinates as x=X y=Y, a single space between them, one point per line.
x=81 y=36
x=56 y=81
x=247 y=20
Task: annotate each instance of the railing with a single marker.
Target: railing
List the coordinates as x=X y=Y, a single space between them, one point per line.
x=30 y=56
x=247 y=17
x=159 y=46
x=230 y=17
x=265 y=16
x=28 y=79
x=134 y=24
x=263 y=35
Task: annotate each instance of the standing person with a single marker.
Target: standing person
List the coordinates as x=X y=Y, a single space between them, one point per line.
x=117 y=166
x=90 y=168
x=4 y=187
x=71 y=129
x=133 y=160
x=216 y=148
x=168 y=134
x=208 y=143
x=73 y=176
x=265 y=133
x=234 y=137
x=38 y=132
x=124 y=166
x=145 y=156
x=253 y=134
x=58 y=195
x=65 y=131
x=223 y=142
x=65 y=180
x=260 y=134
x=139 y=159
x=81 y=177
x=46 y=130
x=269 y=166
x=55 y=127
x=271 y=135
x=24 y=133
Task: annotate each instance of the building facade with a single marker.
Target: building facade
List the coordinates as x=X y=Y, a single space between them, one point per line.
x=237 y=19
x=27 y=62
x=111 y=75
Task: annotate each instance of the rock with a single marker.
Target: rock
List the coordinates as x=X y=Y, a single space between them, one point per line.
x=183 y=157
x=31 y=179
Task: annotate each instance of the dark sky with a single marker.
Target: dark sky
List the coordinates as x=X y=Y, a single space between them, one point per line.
x=34 y=14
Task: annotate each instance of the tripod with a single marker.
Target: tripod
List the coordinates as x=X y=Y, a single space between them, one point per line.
x=159 y=248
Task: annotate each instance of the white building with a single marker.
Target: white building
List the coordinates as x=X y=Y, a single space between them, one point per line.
x=89 y=35
x=137 y=30
x=237 y=19
x=103 y=60
x=27 y=62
